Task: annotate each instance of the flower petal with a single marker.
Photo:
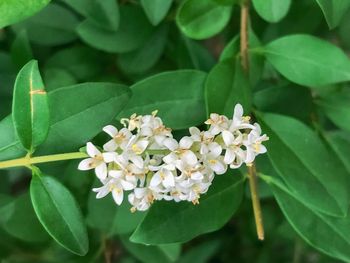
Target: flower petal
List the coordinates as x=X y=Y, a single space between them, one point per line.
x=110 y=146
x=118 y=195
x=91 y=150
x=186 y=142
x=229 y=156
x=101 y=171
x=110 y=130
x=228 y=138
x=86 y=164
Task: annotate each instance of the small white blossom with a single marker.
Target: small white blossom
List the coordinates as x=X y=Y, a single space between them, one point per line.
x=96 y=161
x=144 y=161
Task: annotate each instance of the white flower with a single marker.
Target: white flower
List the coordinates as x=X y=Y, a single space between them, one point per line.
x=238 y=120
x=115 y=184
x=141 y=199
x=96 y=161
x=119 y=138
x=164 y=176
x=234 y=154
x=145 y=159
x=218 y=123
x=134 y=122
x=254 y=143
x=204 y=138
x=213 y=158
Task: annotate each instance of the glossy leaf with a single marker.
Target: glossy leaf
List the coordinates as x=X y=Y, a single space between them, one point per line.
x=10 y=146
x=156 y=10
x=184 y=221
x=146 y=57
x=23 y=222
x=13 y=11
x=133 y=31
x=334 y=10
x=227 y=85
x=201 y=253
x=190 y=53
x=81 y=61
x=57 y=78
x=106 y=216
x=291 y=149
x=54 y=25
x=105 y=13
x=200 y=19
x=336 y=107
x=272 y=98
x=272 y=10
x=21 y=51
x=256 y=61
x=30 y=107
x=308 y=61
x=79 y=112
x=153 y=254
x=177 y=95
x=314 y=227
x=339 y=141
x=59 y=213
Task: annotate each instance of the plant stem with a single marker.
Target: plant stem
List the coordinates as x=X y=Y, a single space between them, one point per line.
x=28 y=161
x=253 y=181
x=244 y=41
x=253 y=185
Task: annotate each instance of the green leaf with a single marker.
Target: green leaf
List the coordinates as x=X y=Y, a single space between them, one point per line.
x=54 y=25
x=156 y=10
x=133 y=31
x=314 y=227
x=115 y=219
x=256 y=61
x=272 y=10
x=272 y=98
x=153 y=254
x=227 y=85
x=189 y=53
x=10 y=146
x=79 y=112
x=57 y=78
x=291 y=149
x=144 y=58
x=13 y=11
x=105 y=13
x=7 y=208
x=59 y=213
x=184 y=221
x=177 y=95
x=30 y=107
x=333 y=10
x=21 y=52
x=336 y=107
x=98 y=106
x=23 y=223
x=339 y=141
x=82 y=7
x=200 y=19
x=81 y=61
x=308 y=61
x=201 y=253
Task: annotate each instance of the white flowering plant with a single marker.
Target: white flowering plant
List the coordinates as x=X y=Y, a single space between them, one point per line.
x=144 y=158
x=162 y=131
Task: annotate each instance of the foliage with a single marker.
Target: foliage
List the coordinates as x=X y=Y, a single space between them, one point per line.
x=70 y=67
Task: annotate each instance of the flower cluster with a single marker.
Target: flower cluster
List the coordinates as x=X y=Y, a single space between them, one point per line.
x=144 y=160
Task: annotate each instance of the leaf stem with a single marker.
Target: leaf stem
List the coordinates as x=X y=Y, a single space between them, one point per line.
x=253 y=181
x=28 y=161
